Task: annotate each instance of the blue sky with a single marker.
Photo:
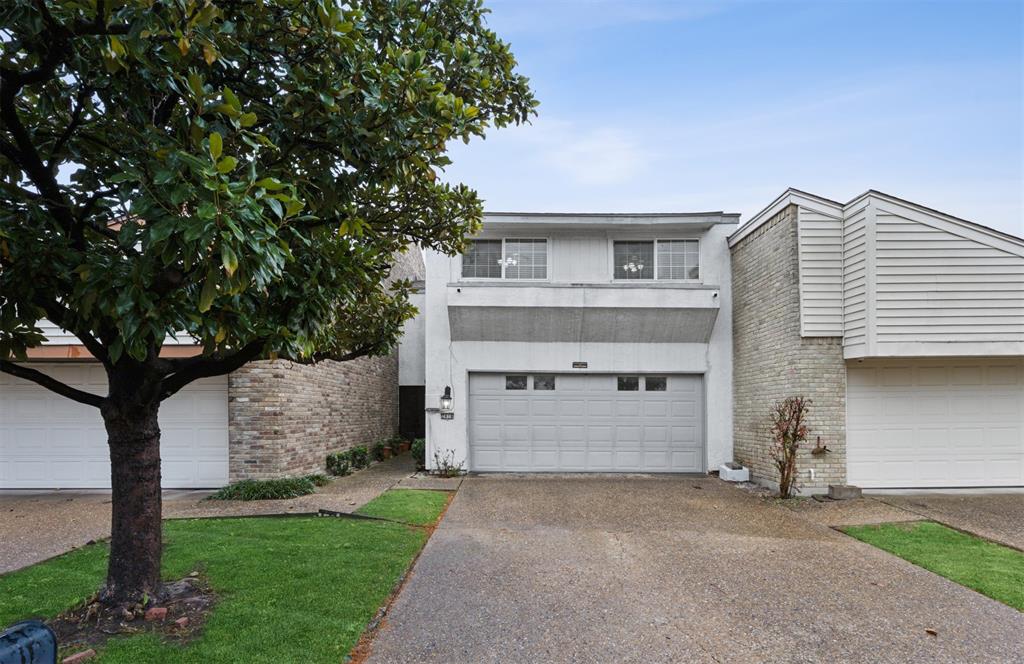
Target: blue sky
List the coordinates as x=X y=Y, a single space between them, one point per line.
x=696 y=106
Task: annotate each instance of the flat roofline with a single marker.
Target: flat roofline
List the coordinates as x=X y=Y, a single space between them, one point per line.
x=611 y=219
x=617 y=215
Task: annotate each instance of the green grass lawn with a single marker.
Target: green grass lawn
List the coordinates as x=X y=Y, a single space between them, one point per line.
x=407 y=505
x=991 y=569
x=294 y=589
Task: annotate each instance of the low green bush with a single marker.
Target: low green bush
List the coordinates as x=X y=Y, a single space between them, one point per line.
x=378 y=451
x=419 y=453
x=395 y=443
x=285 y=487
x=339 y=463
x=319 y=479
x=360 y=457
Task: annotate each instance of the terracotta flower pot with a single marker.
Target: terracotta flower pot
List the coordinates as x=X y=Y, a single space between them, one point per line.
x=387 y=452
x=404 y=447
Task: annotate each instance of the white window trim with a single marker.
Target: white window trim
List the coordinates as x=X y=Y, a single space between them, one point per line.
x=547 y=264
x=655 y=241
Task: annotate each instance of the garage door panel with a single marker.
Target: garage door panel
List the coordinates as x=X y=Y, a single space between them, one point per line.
x=47 y=441
x=545 y=408
x=515 y=407
x=572 y=408
x=955 y=423
x=684 y=409
x=656 y=434
x=586 y=424
x=655 y=408
x=1003 y=375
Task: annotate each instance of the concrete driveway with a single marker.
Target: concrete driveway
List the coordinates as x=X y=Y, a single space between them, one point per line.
x=619 y=569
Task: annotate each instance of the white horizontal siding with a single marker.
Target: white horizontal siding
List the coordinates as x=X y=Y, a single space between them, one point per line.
x=55 y=336
x=820 y=242
x=855 y=282
x=934 y=285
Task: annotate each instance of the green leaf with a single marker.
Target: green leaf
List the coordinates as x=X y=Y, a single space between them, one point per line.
x=275 y=205
x=226 y=165
x=161 y=231
x=228 y=259
x=270 y=184
x=216 y=145
x=231 y=98
x=209 y=292
x=247 y=119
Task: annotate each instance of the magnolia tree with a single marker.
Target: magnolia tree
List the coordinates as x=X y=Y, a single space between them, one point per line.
x=240 y=172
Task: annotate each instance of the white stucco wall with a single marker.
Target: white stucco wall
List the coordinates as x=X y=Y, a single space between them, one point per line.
x=411 y=347
x=450 y=363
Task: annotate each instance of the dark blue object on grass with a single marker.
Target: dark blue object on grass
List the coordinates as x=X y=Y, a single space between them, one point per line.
x=29 y=642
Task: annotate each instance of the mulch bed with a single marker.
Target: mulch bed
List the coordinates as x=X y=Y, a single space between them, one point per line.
x=187 y=602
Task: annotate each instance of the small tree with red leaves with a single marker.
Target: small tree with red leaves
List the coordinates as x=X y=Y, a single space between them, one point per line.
x=789 y=429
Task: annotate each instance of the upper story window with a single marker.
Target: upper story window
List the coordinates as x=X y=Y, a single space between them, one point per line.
x=657 y=259
x=506 y=259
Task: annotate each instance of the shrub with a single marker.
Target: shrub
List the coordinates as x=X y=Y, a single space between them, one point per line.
x=339 y=463
x=444 y=463
x=360 y=457
x=395 y=443
x=319 y=479
x=419 y=453
x=285 y=487
x=378 y=451
x=789 y=429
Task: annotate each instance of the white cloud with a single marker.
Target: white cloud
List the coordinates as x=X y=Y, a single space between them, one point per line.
x=603 y=156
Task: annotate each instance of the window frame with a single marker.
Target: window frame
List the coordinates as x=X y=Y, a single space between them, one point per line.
x=547 y=260
x=655 y=241
x=526 y=382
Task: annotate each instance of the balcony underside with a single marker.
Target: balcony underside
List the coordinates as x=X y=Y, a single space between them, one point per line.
x=567 y=314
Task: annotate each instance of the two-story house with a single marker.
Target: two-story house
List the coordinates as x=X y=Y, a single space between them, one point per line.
x=659 y=342
x=902 y=324
x=583 y=342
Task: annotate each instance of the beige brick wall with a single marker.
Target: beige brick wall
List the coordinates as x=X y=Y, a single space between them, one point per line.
x=771 y=361
x=284 y=417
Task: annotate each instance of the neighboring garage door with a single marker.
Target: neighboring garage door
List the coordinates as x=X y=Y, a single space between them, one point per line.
x=936 y=423
x=586 y=422
x=48 y=441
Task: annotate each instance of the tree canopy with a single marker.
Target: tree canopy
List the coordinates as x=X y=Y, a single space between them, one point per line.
x=240 y=171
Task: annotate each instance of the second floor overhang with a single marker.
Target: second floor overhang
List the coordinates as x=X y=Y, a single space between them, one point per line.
x=615 y=313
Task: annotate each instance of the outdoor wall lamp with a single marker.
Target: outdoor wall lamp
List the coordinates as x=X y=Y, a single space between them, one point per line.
x=447 y=412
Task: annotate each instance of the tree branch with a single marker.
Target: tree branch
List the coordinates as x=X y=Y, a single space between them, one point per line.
x=194 y=368
x=51 y=384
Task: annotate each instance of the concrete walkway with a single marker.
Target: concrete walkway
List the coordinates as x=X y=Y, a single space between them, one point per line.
x=603 y=569
x=35 y=526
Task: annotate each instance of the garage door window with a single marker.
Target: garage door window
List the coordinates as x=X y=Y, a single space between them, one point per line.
x=515 y=382
x=655 y=383
x=629 y=383
x=544 y=383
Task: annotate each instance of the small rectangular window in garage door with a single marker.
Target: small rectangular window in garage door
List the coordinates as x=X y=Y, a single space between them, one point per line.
x=544 y=383
x=515 y=382
x=628 y=383
x=655 y=383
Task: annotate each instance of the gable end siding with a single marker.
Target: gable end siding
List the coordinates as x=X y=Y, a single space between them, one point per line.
x=935 y=286
x=855 y=282
x=820 y=241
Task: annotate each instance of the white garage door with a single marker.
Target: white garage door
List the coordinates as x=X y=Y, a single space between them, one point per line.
x=48 y=441
x=580 y=423
x=936 y=423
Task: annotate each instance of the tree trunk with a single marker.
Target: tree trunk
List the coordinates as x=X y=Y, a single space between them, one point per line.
x=133 y=434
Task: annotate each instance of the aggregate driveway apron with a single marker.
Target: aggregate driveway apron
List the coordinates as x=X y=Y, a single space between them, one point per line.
x=670 y=569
